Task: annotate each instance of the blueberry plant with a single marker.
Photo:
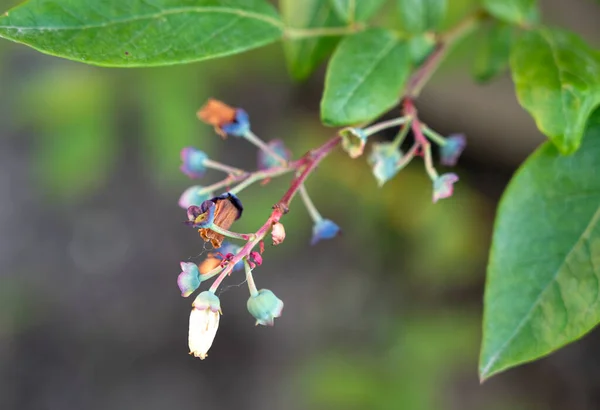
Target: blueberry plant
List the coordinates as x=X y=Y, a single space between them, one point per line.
x=543 y=278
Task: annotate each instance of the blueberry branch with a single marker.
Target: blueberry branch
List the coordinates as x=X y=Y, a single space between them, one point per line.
x=307 y=165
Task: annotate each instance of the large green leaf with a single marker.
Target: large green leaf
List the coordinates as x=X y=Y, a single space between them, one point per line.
x=365 y=77
x=494 y=52
x=418 y=16
x=356 y=10
x=304 y=55
x=543 y=279
x=557 y=82
x=139 y=32
x=523 y=12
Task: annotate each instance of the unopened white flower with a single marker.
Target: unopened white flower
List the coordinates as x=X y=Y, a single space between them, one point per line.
x=204 y=322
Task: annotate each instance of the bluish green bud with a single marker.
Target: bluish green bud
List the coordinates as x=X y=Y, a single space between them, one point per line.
x=265 y=307
x=385 y=160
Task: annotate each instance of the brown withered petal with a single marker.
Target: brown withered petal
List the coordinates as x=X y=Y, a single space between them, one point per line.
x=226 y=212
x=217 y=114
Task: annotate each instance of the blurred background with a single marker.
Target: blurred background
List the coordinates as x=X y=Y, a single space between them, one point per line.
x=386 y=316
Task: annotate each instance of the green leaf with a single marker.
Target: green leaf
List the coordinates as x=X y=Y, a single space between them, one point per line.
x=418 y=16
x=557 y=82
x=352 y=11
x=139 y=32
x=543 y=277
x=365 y=77
x=494 y=52
x=303 y=56
x=421 y=46
x=521 y=12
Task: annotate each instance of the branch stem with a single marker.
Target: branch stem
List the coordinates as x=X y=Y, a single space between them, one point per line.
x=209 y=163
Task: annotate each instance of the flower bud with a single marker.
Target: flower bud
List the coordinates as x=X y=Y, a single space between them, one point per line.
x=228 y=208
x=385 y=160
x=189 y=278
x=443 y=186
x=255 y=259
x=201 y=216
x=324 y=229
x=266 y=161
x=353 y=141
x=193 y=196
x=226 y=120
x=265 y=307
x=193 y=162
x=277 y=233
x=204 y=322
x=449 y=152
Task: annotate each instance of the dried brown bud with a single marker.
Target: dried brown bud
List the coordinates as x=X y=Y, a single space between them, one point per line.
x=228 y=208
x=217 y=114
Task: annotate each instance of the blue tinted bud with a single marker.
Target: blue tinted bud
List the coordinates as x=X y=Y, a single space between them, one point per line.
x=265 y=307
x=455 y=145
x=240 y=126
x=324 y=229
x=193 y=162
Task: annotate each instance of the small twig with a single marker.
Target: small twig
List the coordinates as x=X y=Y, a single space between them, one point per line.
x=444 y=43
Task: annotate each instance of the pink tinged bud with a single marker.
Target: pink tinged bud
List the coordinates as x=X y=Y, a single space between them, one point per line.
x=189 y=278
x=204 y=322
x=256 y=258
x=193 y=162
x=277 y=233
x=443 y=186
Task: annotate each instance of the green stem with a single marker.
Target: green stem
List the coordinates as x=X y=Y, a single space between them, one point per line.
x=385 y=124
x=211 y=273
x=402 y=134
x=230 y=234
x=445 y=42
x=218 y=185
x=251 y=137
x=429 y=163
x=257 y=176
x=292 y=33
x=432 y=135
x=250 y=279
x=308 y=203
x=209 y=163
x=405 y=160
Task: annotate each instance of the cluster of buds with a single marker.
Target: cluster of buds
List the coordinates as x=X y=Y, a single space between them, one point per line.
x=213 y=215
x=387 y=159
